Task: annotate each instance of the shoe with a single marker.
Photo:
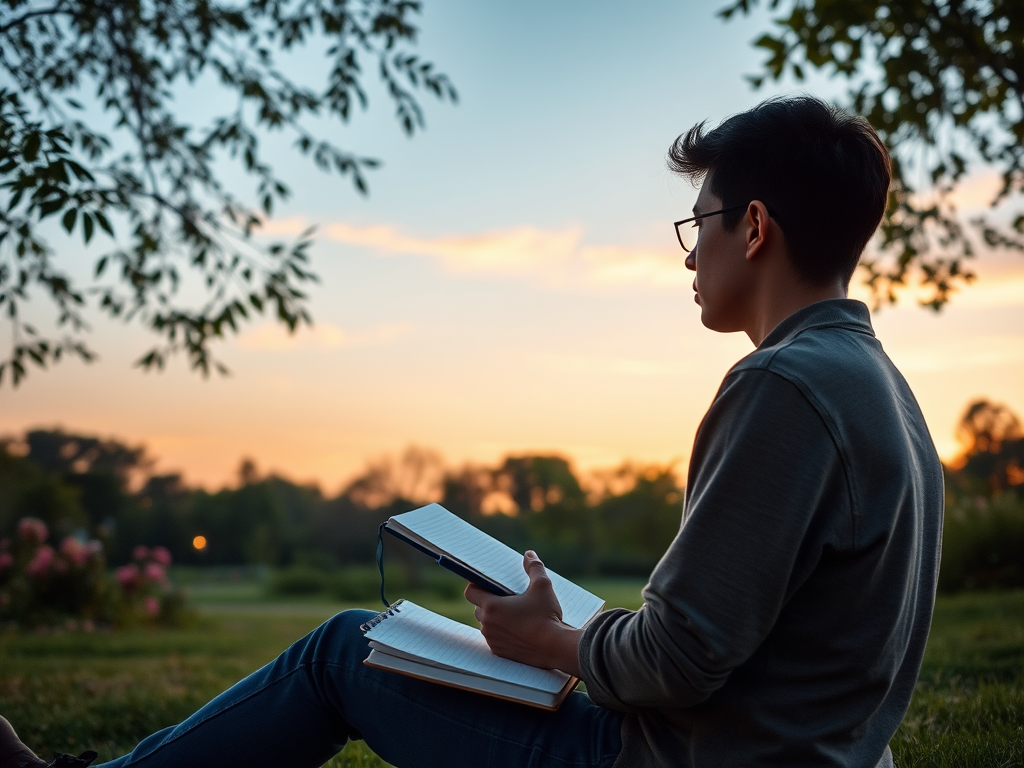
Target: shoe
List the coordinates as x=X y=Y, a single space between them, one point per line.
x=61 y=760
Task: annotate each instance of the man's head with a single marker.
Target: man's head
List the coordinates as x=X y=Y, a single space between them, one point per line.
x=822 y=174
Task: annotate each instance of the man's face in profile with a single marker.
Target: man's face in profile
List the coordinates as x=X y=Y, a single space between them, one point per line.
x=723 y=284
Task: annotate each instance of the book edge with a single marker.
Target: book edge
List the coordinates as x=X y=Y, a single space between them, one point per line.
x=464 y=681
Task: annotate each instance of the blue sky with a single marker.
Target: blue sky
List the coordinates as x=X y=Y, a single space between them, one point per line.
x=512 y=282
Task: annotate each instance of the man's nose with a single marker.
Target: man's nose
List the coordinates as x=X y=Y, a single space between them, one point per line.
x=691 y=260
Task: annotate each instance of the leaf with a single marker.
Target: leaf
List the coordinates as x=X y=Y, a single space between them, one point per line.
x=103 y=222
x=30 y=147
x=69 y=219
x=87 y=227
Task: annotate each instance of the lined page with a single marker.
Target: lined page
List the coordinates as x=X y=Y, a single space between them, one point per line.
x=462 y=541
x=434 y=638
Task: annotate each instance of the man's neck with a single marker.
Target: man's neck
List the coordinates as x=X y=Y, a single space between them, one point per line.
x=779 y=302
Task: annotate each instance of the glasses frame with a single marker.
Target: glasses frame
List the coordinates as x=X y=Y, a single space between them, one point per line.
x=677 y=224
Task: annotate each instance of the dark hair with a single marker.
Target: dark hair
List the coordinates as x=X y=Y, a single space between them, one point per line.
x=822 y=173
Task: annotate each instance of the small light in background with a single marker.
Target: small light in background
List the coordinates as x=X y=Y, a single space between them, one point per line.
x=199 y=542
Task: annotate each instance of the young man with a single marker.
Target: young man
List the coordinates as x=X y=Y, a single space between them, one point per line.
x=786 y=622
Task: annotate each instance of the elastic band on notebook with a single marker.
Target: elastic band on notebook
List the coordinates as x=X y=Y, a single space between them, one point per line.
x=380 y=561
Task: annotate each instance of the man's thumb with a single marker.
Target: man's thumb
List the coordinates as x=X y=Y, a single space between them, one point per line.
x=533 y=565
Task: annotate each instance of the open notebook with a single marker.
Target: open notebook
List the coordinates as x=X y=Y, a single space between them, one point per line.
x=482 y=559
x=417 y=642
x=414 y=641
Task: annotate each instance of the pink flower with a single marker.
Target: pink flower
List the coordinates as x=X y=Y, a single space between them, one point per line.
x=152 y=606
x=40 y=562
x=32 y=530
x=140 y=553
x=74 y=551
x=161 y=555
x=127 y=576
x=6 y=560
x=155 y=572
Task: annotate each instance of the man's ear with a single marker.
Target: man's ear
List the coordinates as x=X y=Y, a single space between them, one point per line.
x=758 y=224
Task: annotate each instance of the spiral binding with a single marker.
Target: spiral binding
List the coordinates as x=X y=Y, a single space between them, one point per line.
x=381 y=616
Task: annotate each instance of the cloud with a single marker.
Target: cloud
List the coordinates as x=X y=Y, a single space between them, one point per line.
x=551 y=257
x=561 y=259
x=270 y=337
x=959 y=354
x=514 y=251
x=616 y=265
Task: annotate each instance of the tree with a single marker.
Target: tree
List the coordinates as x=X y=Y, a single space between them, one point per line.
x=986 y=426
x=152 y=184
x=943 y=83
x=417 y=476
x=993 y=441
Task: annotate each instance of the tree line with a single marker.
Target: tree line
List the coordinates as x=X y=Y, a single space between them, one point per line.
x=615 y=522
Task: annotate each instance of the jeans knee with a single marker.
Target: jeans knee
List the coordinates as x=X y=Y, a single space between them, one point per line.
x=341 y=635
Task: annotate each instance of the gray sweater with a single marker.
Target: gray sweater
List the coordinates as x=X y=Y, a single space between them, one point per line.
x=786 y=622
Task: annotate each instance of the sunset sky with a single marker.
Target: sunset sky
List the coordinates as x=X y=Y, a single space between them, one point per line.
x=512 y=283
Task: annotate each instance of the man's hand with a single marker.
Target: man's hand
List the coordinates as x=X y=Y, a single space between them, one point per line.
x=528 y=627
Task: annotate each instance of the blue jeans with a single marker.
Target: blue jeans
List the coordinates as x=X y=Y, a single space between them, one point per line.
x=301 y=709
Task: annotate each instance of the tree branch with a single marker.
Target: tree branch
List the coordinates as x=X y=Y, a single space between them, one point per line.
x=51 y=11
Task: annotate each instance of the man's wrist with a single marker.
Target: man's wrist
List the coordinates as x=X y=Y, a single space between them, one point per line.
x=565 y=647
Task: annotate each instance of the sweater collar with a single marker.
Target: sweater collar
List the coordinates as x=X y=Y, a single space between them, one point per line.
x=848 y=313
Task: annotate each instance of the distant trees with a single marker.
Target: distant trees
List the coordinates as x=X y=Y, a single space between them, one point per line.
x=614 y=522
x=993 y=440
x=101 y=488
x=983 y=532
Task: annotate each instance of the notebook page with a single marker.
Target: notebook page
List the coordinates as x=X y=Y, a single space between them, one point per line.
x=578 y=605
x=434 y=638
x=453 y=535
x=462 y=541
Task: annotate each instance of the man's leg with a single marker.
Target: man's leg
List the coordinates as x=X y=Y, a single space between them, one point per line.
x=300 y=709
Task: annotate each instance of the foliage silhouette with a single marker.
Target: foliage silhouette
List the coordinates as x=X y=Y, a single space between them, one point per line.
x=130 y=163
x=943 y=83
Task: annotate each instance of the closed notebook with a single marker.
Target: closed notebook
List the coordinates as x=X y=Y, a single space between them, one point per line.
x=417 y=642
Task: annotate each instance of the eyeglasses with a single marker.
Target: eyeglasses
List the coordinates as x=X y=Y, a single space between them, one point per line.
x=688 y=235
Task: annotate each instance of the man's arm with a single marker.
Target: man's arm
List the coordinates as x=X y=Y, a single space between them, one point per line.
x=528 y=627
x=766 y=486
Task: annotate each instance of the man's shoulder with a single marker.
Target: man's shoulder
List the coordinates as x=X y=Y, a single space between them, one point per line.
x=839 y=367
x=823 y=346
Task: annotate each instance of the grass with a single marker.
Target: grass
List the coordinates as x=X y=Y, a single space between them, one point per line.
x=69 y=691
x=968 y=707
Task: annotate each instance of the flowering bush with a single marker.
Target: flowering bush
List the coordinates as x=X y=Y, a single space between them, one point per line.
x=43 y=586
x=146 y=593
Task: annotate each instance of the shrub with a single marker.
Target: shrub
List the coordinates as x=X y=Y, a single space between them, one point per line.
x=42 y=585
x=299 y=580
x=361 y=585
x=145 y=594
x=983 y=543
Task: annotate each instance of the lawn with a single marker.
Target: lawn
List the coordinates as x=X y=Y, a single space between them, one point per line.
x=66 y=691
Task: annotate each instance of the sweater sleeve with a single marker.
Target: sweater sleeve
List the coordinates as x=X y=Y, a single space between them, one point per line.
x=763 y=466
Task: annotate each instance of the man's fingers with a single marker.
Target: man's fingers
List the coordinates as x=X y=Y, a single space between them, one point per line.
x=475 y=594
x=535 y=569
